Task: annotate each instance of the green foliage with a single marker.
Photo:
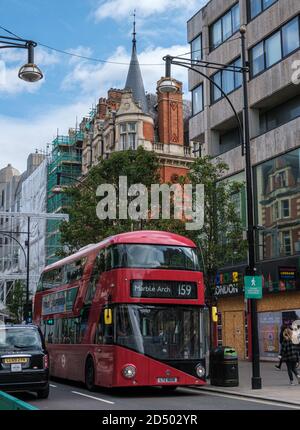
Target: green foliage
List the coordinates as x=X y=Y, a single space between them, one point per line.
x=221 y=238
x=16 y=301
x=84 y=227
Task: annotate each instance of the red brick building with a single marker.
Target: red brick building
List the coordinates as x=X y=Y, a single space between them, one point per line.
x=128 y=118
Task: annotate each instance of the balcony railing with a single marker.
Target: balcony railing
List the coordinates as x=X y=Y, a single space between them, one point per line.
x=172 y=149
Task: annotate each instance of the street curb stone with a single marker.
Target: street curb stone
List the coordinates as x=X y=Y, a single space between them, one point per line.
x=246 y=395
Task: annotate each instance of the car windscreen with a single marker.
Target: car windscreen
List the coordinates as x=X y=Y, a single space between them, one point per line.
x=19 y=339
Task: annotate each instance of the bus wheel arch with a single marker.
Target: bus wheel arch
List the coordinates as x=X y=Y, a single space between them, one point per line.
x=90 y=373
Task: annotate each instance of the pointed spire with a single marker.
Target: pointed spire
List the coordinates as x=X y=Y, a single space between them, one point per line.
x=134 y=80
x=134 y=33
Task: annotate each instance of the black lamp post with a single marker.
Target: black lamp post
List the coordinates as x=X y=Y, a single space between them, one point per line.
x=168 y=86
x=30 y=71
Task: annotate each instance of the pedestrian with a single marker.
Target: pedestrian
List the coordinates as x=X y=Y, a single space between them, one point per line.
x=283 y=327
x=290 y=355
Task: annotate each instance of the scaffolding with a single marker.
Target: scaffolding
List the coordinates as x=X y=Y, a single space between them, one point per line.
x=66 y=158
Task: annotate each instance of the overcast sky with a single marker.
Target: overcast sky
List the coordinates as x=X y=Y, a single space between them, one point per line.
x=31 y=114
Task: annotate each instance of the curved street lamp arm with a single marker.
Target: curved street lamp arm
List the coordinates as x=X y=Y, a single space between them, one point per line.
x=178 y=63
x=21 y=246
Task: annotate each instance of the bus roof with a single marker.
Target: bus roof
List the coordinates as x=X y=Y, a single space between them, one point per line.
x=144 y=236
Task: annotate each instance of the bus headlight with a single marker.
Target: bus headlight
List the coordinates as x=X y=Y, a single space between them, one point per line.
x=200 y=370
x=129 y=371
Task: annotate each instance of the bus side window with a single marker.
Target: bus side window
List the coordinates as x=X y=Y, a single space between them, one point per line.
x=74 y=270
x=84 y=321
x=98 y=268
x=108 y=259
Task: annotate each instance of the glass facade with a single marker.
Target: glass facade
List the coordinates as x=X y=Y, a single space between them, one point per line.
x=225 y=26
x=274 y=48
x=197 y=99
x=277 y=187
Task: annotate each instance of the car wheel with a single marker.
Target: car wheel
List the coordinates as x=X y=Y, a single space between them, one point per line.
x=43 y=394
x=90 y=374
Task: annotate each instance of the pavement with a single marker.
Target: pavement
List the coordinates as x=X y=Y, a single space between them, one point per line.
x=275 y=384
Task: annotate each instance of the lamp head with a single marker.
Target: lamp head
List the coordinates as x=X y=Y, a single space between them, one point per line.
x=30 y=73
x=243 y=29
x=167 y=85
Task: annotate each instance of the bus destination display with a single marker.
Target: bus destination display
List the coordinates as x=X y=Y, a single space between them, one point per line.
x=163 y=289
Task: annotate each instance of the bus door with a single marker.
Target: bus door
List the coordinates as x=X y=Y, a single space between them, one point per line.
x=104 y=351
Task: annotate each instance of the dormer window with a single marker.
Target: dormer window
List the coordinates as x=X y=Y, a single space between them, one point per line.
x=128 y=135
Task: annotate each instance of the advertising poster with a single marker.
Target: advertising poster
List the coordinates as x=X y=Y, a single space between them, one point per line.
x=269 y=325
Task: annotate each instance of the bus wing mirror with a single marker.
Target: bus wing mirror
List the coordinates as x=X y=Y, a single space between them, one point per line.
x=107 y=316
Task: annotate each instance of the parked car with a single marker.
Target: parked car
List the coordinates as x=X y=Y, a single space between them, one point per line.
x=24 y=362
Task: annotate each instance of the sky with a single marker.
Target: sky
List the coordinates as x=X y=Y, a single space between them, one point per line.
x=31 y=115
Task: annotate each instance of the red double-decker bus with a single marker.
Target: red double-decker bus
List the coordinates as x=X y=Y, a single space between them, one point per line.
x=128 y=311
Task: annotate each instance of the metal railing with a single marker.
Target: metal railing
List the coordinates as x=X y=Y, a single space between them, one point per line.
x=10 y=403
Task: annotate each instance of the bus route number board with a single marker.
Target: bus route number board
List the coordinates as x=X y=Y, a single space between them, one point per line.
x=163 y=289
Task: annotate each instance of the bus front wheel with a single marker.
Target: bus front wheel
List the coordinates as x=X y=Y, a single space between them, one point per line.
x=90 y=374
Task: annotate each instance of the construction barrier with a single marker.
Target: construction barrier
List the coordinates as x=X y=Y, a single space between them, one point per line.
x=10 y=403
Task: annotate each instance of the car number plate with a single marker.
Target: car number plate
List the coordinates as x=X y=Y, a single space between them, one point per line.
x=166 y=380
x=15 y=360
x=17 y=367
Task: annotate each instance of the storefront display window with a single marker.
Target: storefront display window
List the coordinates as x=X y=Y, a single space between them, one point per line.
x=269 y=324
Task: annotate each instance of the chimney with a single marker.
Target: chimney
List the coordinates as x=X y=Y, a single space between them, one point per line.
x=170 y=115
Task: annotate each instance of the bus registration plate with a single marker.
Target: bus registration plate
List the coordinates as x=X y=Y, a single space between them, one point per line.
x=163 y=380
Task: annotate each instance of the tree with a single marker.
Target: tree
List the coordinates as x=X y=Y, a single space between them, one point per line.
x=16 y=301
x=84 y=227
x=221 y=238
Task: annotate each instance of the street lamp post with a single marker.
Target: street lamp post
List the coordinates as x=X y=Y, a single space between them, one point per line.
x=251 y=269
x=30 y=71
x=168 y=86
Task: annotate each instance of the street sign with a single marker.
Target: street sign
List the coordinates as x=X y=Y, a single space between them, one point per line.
x=253 y=287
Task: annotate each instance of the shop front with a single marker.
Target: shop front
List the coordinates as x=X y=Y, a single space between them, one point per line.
x=279 y=305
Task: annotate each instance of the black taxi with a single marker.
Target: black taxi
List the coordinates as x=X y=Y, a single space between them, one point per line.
x=24 y=361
